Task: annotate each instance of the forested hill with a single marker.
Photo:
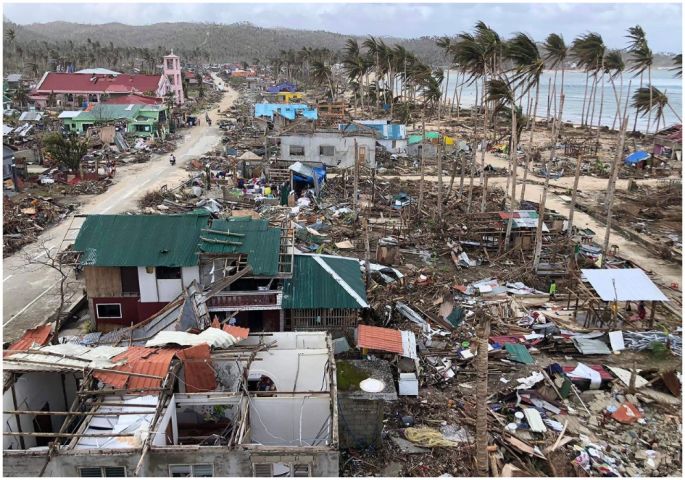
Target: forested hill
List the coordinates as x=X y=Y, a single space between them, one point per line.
x=214 y=42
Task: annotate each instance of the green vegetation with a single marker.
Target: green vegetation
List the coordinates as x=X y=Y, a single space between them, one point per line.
x=349 y=376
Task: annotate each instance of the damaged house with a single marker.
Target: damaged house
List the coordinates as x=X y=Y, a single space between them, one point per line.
x=192 y=405
x=245 y=269
x=391 y=136
x=330 y=148
x=140 y=120
x=278 y=116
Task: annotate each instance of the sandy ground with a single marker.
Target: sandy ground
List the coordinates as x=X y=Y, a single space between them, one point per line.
x=30 y=290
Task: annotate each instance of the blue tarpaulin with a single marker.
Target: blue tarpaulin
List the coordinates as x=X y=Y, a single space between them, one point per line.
x=305 y=174
x=636 y=157
x=289 y=111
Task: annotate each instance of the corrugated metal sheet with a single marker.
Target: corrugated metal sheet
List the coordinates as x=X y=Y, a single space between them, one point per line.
x=261 y=243
x=534 y=420
x=140 y=240
x=239 y=333
x=631 y=284
x=46 y=361
x=198 y=372
x=215 y=337
x=518 y=353
x=34 y=336
x=590 y=346
x=312 y=286
x=147 y=361
x=378 y=338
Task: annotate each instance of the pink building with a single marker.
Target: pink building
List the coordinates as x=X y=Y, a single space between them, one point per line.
x=172 y=70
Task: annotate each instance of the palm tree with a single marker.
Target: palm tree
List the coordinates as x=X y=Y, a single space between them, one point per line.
x=373 y=52
x=641 y=59
x=556 y=52
x=586 y=50
x=445 y=43
x=21 y=96
x=678 y=65
x=321 y=74
x=651 y=98
x=528 y=67
x=501 y=92
x=614 y=66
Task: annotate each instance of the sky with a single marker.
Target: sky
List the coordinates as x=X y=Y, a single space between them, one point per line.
x=661 y=21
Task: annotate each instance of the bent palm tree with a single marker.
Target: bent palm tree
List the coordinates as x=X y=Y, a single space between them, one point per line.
x=641 y=59
x=678 y=65
x=556 y=52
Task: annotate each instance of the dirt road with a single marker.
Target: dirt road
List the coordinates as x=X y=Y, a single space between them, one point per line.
x=29 y=291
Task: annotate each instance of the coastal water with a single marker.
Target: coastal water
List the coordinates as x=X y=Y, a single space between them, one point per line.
x=574 y=89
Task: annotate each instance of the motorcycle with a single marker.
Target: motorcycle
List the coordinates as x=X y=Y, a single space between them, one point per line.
x=172 y=161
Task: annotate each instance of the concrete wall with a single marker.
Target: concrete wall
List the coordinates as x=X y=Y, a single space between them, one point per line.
x=303 y=371
x=344 y=149
x=226 y=463
x=148 y=286
x=156 y=290
x=32 y=391
x=292 y=421
x=360 y=422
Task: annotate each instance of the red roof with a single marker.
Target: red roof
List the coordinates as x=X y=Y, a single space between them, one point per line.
x=87 y=83
x=239 y=333
x=198 y=372
x=603 y=374
x=378 y=338
x=147 y=361
x=39 y=335
x=134 y=99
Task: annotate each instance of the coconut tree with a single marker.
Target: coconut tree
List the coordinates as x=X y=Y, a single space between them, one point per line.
x=650 y=98
x=614 y=67
x=373 y=52
x=678 y=65
x=641 y=60
x=501 y=93
x=528 y=67
x=555 y=55
x=321 y=74
x=588 y=50
x=445 y=43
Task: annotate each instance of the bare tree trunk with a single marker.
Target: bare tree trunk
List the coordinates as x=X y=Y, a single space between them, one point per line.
x=601 y=108
x=453 y=174
x=574 y=194
x=512 y=161
x=440 y=153
x=423 y=163
x=582 y=112
x=614 y=165
x=649 y=115
x=355 y=192
x=612 y=181
x=549 y=98
x=472 y=164
x=481 y=397
x=593 y=95
x=636 y=112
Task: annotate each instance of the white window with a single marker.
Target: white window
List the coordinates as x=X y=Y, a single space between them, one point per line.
x=297 y=150
x=195 y=470
x=109 y=310
x=326 y=150
x=102 y=471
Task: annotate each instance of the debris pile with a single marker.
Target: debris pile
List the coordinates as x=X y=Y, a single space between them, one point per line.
x=25 y=218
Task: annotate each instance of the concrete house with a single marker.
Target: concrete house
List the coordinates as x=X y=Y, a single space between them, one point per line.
x=330 y=148
x=184 y=405
x=391 y=136
x=141 y=120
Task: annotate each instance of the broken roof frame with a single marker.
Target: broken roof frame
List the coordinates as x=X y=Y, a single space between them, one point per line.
x=89 y=402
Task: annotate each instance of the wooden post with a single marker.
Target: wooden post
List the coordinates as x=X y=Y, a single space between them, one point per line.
x=368 y=253
x=355 y=200
x=440 y=154
x=651 y=314
x=17 y=417
x=481 y=397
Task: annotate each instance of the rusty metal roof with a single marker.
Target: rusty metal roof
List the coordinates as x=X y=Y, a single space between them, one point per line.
x=198 y=372
x=40 y=336
x=147 y=361
x=239 y=333
x=378 y=338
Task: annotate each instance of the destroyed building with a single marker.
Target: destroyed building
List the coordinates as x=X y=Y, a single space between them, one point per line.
x=391 y=136
x=330 y=148
x=187 y=405
x=139 y=120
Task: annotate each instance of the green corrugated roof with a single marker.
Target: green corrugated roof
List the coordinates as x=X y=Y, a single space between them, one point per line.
x=261 y=243
x=140 y=240
x=110 y=112
x=418 y=138
x=518 y=353
x=313 y=287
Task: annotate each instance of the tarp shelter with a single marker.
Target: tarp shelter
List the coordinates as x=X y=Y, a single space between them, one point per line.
x=623 y=285
x=636 y=157
x=305 y=173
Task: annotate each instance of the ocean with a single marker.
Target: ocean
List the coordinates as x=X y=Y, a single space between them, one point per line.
x=574 y=88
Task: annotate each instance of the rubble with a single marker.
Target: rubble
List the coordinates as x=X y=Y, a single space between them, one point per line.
x=25 y=217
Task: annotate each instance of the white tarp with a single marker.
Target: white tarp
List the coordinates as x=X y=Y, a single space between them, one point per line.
x=616 y=340
x=583 y=371
x=623 y=284
x=214 y=337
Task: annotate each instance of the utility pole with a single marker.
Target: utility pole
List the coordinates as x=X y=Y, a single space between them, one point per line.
x=355 y=200
x=440 y=154
x=574 y=194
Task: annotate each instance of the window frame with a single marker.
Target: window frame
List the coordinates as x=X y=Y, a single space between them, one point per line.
x=102 y=472
x=168 y=269
x=293 y=154
x=291 y=465
x=321 y=150
x=191 y=467
x=97 y=310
